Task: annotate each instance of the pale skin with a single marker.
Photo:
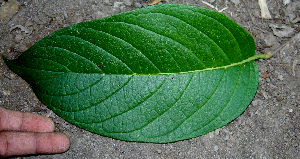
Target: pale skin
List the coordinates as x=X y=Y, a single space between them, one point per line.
x=28 y=134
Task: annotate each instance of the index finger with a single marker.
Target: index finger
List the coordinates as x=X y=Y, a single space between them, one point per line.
x=18 y=121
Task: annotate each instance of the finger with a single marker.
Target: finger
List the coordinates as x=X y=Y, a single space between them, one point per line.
x=27 y=143
x=18 y=121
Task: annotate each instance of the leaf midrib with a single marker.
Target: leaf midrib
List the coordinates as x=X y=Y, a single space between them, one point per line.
x=252 y=58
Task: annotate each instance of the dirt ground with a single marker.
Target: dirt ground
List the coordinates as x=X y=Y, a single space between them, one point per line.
x=269 y=128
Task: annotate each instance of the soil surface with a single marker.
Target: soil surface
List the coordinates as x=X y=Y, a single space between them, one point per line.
x=269 y=128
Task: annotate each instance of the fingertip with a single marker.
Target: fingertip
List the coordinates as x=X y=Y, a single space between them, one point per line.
x=53 y=143
x=64 y=142
x=36 y=123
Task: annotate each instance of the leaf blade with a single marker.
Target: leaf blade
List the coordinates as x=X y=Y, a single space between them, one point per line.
x=122 y=77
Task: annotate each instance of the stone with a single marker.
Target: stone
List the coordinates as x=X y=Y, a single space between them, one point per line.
x=128 y=2
x=137 y=5
x=236 y=2
x=7 y=11
x=270 y=40
x=281 y=31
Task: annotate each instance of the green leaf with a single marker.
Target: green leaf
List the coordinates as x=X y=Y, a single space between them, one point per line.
x=158 y=74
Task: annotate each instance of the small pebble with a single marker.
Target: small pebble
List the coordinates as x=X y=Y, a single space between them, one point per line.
x=5 y=93
x=280 y=77
x=216 y=148
x=285 y=2
x=227 y=137
x=236 y=2
x=137 y=5
x=118 y=4
x=158 y=151
x=7 y=11
x=279 y=98
x=270 y=40
x=227 y=132
x=128 y=2
x=98 y=15
x=265 y=95
x=106 y=2
x=257 y=102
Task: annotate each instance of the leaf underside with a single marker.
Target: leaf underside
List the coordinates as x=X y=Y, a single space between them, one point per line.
x=158 y=74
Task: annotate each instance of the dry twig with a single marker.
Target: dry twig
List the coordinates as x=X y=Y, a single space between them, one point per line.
x=265 y=13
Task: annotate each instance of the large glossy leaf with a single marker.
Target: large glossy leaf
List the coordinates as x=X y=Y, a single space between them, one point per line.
x=159 y=74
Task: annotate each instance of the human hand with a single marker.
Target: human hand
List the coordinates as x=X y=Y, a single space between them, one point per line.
x=27 y=134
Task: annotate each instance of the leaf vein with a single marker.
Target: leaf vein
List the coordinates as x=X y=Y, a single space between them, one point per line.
x=95 y=46
x=123 y=41
x=168 y=38
x=194 y=111
x=147 y=97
